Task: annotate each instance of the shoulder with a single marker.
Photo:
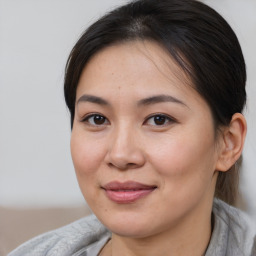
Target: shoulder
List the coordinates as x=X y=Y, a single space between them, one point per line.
x=64 y=241
x=233 y=232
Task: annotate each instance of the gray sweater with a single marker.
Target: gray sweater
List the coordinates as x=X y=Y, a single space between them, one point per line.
x=233 y=235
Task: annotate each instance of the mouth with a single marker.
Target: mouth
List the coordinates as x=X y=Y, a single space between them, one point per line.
x=127 y=192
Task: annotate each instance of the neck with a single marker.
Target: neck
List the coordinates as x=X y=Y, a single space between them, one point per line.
x=189 y=237
x=191 y=243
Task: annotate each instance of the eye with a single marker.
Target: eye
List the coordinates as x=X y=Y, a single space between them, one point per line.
x=96 y=119
x=159 y=120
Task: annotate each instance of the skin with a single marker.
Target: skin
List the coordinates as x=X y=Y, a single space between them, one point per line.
x=180 y=156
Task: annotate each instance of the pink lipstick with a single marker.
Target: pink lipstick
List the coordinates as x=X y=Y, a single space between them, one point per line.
x=127 y=192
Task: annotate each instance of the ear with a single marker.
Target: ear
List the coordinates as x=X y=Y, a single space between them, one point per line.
x=231 y=143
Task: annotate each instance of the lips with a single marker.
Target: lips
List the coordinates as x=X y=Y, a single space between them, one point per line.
x=127 y=192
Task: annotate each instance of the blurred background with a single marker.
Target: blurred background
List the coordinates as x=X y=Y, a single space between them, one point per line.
x=37 y=179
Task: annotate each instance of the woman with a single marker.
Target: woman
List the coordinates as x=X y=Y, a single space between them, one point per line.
x=155 y=90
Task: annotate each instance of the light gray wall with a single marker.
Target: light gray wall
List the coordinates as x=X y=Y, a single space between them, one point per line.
x=241 y=15
x=35 y=40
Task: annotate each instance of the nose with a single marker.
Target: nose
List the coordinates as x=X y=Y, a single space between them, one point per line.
x=125 y=150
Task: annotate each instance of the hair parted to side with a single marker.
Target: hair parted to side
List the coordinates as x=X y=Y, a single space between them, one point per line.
x=196 y=37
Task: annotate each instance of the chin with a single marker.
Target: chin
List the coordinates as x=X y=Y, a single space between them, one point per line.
x=129 y=230
x=129 y=224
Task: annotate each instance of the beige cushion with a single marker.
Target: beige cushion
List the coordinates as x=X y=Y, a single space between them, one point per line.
x=19 y=225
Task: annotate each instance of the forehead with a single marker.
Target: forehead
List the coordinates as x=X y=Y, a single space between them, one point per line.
x=136 y=65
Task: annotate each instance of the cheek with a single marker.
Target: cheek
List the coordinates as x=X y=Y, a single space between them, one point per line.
x=186 y=169
x=183 y=155
x=87 y=154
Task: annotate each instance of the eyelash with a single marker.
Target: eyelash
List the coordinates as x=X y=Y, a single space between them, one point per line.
x=87 y=118
x=161 y=117
x=167 y=120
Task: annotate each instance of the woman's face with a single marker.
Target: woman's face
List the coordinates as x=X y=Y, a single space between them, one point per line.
x=143 y=141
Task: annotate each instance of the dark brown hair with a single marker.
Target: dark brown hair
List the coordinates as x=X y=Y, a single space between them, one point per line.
x=196 y=37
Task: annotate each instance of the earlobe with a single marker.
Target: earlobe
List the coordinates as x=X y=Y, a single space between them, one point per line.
x=232 y=143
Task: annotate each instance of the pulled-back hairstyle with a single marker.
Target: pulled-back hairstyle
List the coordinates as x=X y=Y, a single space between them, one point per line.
x=196 y=37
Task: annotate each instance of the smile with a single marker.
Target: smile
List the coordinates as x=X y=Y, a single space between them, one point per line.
x=127 y=192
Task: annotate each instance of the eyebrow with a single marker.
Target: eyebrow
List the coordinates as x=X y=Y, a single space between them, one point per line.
x=92 y=99
x=147 y=101
x=159 y=99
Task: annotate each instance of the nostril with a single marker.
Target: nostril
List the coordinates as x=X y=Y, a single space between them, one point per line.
x=132 y=165
x=123 y=166
x=123 y=157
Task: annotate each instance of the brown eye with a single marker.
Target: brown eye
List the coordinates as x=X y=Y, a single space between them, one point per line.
x=99 y=119
x=96 y=120
x=159 y=120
